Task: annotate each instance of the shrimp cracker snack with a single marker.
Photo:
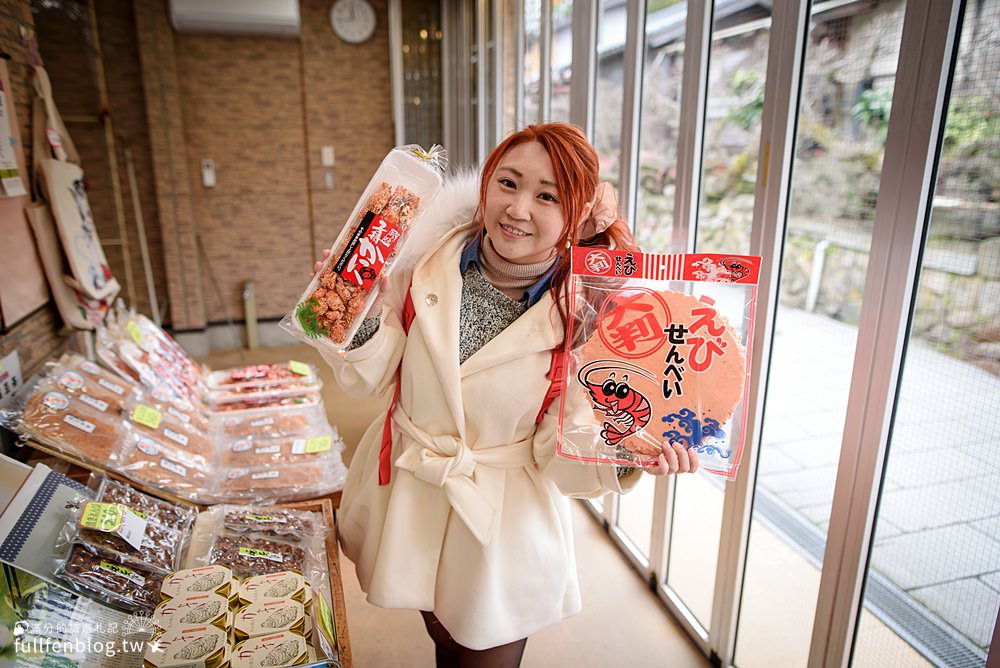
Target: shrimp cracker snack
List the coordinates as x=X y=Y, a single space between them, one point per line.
x=657 y=351
x=331 y=309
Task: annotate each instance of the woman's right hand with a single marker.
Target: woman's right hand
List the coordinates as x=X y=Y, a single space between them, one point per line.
x=383 y=285
x=319 y=263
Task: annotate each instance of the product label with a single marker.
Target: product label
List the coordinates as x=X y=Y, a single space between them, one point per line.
x=108 y=385
x=79 y=423
x=148 y=446
x=260 y=554
x=71 y=380
x=366 y=252
x=56 y=401
x=89 y=367
x=268 y=450
x=241 y=446
x=173 y=467
x=147 y=416
x=325 y=620
x=115 y=518
x=175 y=437
x=123 y=572
x=134 y=330
x=267 y=518
x=94 y=403
x=183 y=417
x=300 y=368
x=233 y=474
x=312 y=445
x=265 y=475
x=262 y=422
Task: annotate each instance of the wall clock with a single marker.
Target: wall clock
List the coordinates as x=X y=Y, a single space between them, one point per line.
x=352 y=20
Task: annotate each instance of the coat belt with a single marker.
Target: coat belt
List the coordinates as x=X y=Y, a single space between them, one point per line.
x=447 y=462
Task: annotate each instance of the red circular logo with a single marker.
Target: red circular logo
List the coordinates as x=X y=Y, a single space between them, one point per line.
x=632 y=322
x=598 y=262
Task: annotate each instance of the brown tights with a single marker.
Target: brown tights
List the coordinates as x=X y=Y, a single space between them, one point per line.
x=449 y=654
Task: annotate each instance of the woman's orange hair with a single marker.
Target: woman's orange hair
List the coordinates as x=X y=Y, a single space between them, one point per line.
x=577 y=174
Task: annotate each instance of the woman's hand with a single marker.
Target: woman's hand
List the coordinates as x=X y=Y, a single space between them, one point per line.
x=319 y=263
x=674 y=458
x=383 y=285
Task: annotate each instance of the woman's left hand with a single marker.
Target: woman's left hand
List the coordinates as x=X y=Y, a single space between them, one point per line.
x=674 y=458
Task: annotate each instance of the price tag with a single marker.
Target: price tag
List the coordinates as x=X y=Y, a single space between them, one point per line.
x=108 y=385
x=123 y=572
x=79 y=423
x=116 y=519
x=133 y=329
x=267 y=518
x=260 y=554
x=265 y=475
x=147 y=416
x=312 y=445
x=301 y=368
x=174 y=468
x=94 y=402
x=268 y=450
x=176 y=437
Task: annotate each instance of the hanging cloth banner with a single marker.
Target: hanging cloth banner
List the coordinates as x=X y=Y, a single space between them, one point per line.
x=22 y=282
x=62 y=184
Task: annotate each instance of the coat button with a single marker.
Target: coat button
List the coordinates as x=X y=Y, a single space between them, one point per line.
x=431 y=299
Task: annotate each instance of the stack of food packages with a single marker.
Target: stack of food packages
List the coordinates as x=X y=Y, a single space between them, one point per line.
x=251 y=434
x=254 y=589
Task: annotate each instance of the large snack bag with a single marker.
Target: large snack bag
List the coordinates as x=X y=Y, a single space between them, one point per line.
x=657 y=351
x=331 y=309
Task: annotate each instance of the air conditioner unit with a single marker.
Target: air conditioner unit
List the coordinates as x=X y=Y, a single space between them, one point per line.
x=277 y=18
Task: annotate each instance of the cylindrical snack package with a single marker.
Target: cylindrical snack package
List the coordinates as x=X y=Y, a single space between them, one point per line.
x=657 y=353
x=332 y=307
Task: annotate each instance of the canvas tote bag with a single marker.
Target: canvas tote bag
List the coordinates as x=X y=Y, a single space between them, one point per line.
x=77 y=308
x=62 y=185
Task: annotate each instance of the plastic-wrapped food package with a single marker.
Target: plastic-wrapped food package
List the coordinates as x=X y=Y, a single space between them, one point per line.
x=166 y=428
x=172 y=515
x=332 y=307
x=193 y=610
x=280 y=585
x=269 y=521
x=55 y=418
x=259 y=376
x=222 y=399
x=80 y=378
x=656 y=352
x=248 y=555
x=212 y=579
x=155 y=461
x=294 y=421
x=281 y=482
x=253 y=452
x=110 y=578
x=263 y=402
x=275 y=650
x=271 y=616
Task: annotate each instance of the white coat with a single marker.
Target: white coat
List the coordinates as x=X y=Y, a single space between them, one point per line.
x=474 y=524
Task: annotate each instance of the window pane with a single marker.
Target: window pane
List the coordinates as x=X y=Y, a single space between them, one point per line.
x=421 y=36
x=659 y=125
x=611 y=24
x=532 y=78
x=635 y=516
x=848 y=75
x=934 y=571
x=562 y=58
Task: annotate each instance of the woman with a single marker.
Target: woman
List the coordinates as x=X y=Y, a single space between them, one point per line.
x=473 y=526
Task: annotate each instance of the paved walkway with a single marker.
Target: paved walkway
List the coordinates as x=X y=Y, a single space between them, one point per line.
x=938 y=531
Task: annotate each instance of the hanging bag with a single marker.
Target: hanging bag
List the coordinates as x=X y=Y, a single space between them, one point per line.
x=62 y=184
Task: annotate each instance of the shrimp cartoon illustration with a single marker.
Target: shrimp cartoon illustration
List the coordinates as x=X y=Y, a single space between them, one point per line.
x=626 y=409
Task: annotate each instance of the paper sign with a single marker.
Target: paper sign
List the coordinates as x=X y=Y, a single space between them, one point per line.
x=116 y=519
x=311 y=445
x=10 y=178
x=10 y=377
x=300 y=368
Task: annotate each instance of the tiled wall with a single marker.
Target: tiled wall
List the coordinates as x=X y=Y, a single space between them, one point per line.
x=261 y=108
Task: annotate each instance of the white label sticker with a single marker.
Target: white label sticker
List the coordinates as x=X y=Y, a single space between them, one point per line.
x=183 y=417
x=233 y=474
x=89 y=367
x=262 y=422
x=241 y=446
x=268 y=450
x=174 y=467
x=108 y=385
x=175 y=437
x=71 y=380
x=56 y=401
x=79 y=423
x=265 y=475
x=94 y=403
x=148 y=446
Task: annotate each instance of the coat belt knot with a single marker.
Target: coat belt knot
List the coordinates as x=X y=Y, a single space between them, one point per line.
x=447 y=462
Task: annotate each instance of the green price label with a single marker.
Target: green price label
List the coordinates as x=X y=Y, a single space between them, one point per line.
x=115 y=568
x=260 y=518
x=326 y=619
x=133 y=329
x=260 y=554
x=102 y=516
x=301 y=368
x=147 y=416
x=318 y=444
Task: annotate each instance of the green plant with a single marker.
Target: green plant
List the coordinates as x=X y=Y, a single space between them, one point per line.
x=872 y=110
x=306 y=315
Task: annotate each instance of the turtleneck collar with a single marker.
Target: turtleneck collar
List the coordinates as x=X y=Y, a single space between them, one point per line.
x=518 y=281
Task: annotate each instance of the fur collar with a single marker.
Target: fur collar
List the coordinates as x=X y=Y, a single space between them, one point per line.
x=452 y=207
